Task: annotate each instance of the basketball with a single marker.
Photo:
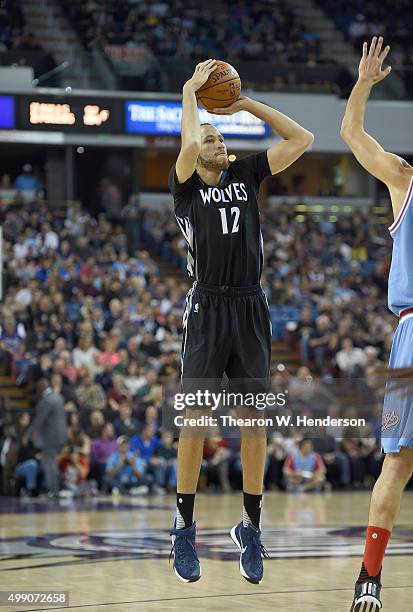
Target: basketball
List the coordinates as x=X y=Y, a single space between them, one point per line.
x=222 y=88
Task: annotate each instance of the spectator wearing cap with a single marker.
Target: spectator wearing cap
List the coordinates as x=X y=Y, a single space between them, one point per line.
x=126 y=470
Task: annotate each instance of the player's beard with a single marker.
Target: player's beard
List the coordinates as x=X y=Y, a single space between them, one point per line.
x=215 y=165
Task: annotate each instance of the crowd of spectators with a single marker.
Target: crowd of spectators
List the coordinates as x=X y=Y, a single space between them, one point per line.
x=235 y=30
x=95 y=319
x=14 y=34
x=103 y=328
x=362 y=19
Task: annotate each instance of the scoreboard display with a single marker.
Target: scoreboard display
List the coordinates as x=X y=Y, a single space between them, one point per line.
x=69 y=114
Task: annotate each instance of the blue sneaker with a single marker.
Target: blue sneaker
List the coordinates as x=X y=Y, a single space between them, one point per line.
x=248 y=540
x=186 y=562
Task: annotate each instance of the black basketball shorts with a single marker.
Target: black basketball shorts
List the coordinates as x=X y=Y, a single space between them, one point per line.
x=227 y=330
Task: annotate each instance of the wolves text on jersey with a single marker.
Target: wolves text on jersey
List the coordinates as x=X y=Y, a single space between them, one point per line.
x=233 y=192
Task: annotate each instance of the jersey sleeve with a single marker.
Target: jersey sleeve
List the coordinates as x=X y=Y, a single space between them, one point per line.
x=253 y=169
x=182 y=193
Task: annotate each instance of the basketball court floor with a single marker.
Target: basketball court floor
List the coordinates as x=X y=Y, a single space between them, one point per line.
x=112 y=555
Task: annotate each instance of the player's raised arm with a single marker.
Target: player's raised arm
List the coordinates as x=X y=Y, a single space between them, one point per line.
x=190 y=128
x=394 y=171
x=296 y=139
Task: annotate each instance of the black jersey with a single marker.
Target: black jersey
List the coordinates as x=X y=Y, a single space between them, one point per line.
x=221 y=224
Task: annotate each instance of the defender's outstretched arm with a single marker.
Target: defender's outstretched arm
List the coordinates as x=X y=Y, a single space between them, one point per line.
x=394 y=171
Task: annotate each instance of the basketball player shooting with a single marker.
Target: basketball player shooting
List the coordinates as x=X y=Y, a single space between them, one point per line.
x=227 y=327
x=397 y=427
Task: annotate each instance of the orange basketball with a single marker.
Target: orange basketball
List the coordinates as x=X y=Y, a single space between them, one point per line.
x=222 y=88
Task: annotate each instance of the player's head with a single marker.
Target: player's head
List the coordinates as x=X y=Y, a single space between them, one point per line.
x=213 y=155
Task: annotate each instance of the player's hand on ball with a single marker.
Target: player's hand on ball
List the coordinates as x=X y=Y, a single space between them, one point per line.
x=201 y=74
x=236 y=107
x=370 y=68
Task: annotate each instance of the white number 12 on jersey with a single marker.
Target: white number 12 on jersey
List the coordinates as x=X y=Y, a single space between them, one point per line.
x=235 y=225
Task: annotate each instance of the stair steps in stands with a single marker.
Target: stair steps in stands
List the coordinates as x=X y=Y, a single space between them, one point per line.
x=13 y=396
x=281 y=354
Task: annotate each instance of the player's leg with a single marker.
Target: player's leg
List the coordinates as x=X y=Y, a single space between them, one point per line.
x=248 y=369
x=253 y=455
x=202 y=364
x=190 y=449
x=247 y=533
x=384 y=509
x=397 y=442
x=387 y=493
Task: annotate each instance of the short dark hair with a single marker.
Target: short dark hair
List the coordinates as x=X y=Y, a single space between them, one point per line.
x=304 y=441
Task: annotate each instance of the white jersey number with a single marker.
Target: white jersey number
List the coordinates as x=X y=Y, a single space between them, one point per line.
x=233 y=214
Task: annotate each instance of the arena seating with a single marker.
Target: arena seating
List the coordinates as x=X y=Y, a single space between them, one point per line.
x=360 y=20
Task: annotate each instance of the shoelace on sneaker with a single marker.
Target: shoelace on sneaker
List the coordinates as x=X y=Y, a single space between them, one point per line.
x=260 y=547
x=188 y=539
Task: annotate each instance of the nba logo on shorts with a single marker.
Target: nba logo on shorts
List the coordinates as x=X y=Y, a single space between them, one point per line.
x=196 y=307
x=390 y=419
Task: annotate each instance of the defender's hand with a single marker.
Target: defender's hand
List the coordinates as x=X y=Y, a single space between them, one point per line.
x=370 y=68
x=201 y=74
x=236 y=107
